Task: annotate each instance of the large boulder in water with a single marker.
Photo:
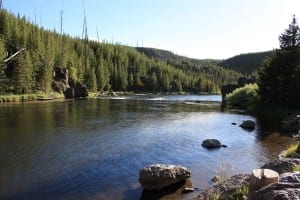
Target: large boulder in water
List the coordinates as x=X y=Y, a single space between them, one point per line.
x=248 y=124
x=159 y=176
x=212 y=143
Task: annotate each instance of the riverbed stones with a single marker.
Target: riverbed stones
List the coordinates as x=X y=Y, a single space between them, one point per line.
x=212 y=143
x=160 y=176
x=248 y=125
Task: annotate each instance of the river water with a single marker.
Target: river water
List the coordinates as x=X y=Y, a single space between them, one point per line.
x=93 y=149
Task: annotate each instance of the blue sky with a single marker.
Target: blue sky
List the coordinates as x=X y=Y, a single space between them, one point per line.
x=195 y=28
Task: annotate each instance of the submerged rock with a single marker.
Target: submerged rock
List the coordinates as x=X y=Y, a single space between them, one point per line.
x=160 y=176
x=212 y=143
x=248 y=124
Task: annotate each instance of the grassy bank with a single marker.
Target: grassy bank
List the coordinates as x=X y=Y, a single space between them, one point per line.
x=270 y=116
x=12 y=98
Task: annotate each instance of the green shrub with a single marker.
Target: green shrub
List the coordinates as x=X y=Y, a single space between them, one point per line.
x=291 y=150
x=244 y=98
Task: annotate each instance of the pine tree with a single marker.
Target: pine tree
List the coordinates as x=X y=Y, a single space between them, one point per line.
x=153 y=82
x=279 y=78
x=2 y=51
x=3 y=78
x=290 y=38
x=100 y=75
x=23 y=74
x=131 y=81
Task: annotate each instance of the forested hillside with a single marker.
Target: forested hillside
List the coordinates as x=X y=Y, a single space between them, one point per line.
x=209 y=68
x=246 y=63
x=170 y=56
x=99 y=65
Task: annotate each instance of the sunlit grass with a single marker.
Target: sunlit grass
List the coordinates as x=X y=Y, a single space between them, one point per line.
x=12 y=98
x=240 y=194
x=291 y=150
x=296 y=168
x=224 y=171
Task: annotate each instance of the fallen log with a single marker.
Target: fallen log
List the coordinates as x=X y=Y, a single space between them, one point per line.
x=14 y=55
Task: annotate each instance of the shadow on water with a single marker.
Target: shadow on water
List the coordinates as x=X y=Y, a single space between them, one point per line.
x=49 y=190
x=172 y=192
x=75 y=185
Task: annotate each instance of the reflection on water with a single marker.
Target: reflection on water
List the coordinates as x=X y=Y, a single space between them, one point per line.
x=93 y=149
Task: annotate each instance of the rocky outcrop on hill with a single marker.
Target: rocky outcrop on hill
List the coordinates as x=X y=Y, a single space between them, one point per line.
x=160 y=176
x=61 y=79
x=68 y=87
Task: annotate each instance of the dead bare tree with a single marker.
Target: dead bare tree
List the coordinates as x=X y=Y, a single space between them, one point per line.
x=85 y=38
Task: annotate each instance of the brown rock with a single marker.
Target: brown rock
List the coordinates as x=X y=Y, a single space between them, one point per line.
x=159 y=176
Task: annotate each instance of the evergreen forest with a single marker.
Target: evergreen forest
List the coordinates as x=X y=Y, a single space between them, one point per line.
x=29 y=55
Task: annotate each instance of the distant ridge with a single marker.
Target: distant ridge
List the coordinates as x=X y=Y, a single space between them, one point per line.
x=243 y=63
x=246 y=63
x=166 y=56
x=209 y=68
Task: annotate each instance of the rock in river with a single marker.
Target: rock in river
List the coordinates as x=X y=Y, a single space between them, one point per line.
x=248 y=124
x=159 y=176
x=212 y=143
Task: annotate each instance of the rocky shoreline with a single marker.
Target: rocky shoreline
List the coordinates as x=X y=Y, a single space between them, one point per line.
x=288 y=186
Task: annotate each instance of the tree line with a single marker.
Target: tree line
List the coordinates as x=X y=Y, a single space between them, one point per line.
x=101 y=66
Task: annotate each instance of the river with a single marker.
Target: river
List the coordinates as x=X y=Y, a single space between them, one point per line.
x=93 y=149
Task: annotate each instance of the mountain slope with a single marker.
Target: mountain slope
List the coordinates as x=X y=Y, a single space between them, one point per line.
x=208 y=68
x=171 y=57
x=246 y=63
